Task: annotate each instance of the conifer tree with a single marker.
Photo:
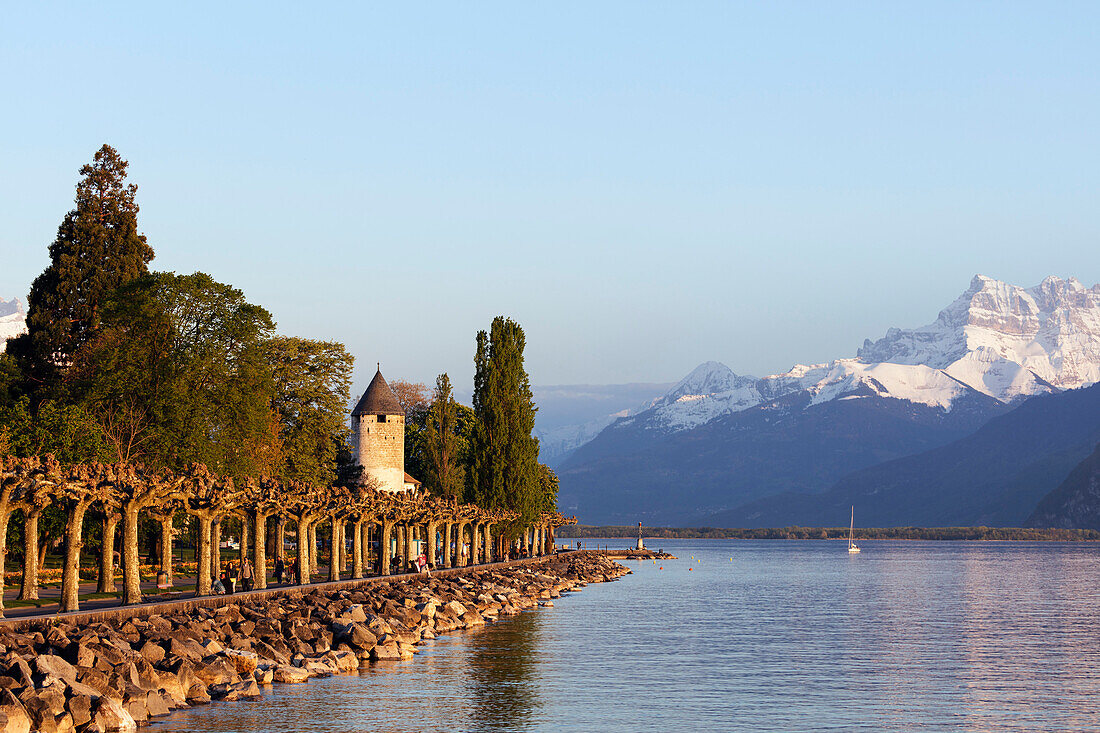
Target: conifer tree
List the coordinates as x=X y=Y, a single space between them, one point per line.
x=98 y=248
x=445 y=444
x=504 y=467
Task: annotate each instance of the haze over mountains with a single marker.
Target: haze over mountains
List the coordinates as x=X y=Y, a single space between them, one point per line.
x=719 y=440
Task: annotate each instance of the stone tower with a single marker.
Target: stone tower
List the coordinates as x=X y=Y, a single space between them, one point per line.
x=378 y=432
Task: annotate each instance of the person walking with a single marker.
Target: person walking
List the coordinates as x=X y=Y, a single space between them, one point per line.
x=422 y=564
x=280 y=569
x=246 y=574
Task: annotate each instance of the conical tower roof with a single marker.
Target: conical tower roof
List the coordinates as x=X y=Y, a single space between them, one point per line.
x=379 y=399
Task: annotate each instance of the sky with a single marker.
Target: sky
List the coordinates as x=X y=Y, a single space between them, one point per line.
x=642 y=186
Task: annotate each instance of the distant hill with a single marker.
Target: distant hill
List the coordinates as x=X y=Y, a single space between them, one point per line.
x=1075 y=504
x=642 y=474
x=995 y=477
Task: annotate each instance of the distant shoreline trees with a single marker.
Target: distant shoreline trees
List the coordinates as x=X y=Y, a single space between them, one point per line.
x=962 y=534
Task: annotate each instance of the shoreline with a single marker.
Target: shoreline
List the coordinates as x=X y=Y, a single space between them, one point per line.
x=946 y=534
x=115 y=673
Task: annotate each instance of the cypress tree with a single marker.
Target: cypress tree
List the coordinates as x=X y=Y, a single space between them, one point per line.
x=98 y=248
x=445 y=441
x=504 y=467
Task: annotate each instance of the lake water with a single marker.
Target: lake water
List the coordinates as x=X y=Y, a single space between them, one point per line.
x=750 y=636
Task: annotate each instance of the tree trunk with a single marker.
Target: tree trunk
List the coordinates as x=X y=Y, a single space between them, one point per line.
x=433 y=554
x=5 y=516
x=204 y=556
x=70 y=573
x=314 y=551
x=216 y=547
x=366 y=531
x=303 y=551
x=131 y=575
x=280 y=538
x=384 y=547
x=259 y=549
x=342 y=554
x=243 y=547
x=29 y=590
x=475 y=544
x=334 y=552
x=108 y=525
x=357 y=550
x=166 y=547
x=447 y=544
x=488 y=542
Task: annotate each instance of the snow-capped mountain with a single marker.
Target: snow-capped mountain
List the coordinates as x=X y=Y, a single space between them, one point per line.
x=997 y=339
x=13 y=321
x=717 y=439
x=1006 y=341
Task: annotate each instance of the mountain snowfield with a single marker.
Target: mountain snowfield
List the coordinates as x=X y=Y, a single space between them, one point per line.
x=996 y=339
x=13 y=321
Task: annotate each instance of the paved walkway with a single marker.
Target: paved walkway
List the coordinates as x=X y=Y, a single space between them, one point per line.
x=50 y=596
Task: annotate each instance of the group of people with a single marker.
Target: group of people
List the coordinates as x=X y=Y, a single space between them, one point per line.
x=241 y=575
x=234 y=573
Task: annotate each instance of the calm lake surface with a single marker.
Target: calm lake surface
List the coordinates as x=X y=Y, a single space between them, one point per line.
x=749 y=636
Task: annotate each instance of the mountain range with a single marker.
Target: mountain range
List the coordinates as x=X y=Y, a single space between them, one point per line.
x=13 y=320
x=718 y=441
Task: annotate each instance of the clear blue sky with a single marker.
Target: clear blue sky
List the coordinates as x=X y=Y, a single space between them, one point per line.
x=643 y=186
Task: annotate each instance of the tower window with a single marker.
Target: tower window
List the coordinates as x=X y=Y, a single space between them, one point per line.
x=381 y=418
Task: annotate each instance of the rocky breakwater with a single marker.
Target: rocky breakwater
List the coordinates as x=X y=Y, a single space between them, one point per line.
x=119 y=674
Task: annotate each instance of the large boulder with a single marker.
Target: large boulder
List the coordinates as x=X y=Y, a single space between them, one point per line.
x=243 y=661
x=354 y=634
x=152 y=652
x=80 y=708
x=216 y=671
x=17 y=719
x=288 y=674
x=111 y=716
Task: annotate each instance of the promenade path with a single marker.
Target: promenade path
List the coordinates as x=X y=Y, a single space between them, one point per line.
x=48 y=596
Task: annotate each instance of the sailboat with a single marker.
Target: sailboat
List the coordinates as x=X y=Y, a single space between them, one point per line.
x=852 y=546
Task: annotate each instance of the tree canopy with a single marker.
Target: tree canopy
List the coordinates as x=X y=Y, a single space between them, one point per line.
x=97 y=249
x=446 y=441
x=178 y=374
x=312 y=381
x=504 y=467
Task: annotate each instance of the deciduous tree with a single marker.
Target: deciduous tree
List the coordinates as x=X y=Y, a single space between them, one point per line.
x=312 y=381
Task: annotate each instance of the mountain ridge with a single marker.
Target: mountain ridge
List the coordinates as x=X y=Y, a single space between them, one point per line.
x=13 y=321
x=993 y=347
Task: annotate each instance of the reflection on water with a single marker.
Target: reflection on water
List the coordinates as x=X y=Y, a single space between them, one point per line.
x=501 y=684
x=772 y=636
